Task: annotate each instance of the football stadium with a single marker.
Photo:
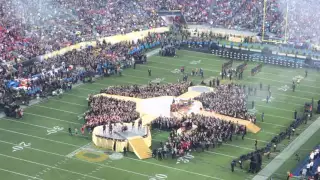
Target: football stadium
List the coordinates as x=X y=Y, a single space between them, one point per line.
x=160 y=90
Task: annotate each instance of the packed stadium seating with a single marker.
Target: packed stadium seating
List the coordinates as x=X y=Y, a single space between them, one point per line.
x=41 y=28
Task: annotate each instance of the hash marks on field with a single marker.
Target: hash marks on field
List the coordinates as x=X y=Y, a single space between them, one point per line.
x=40 y=173
x=269 y=100
x=92 y=172
x=179 y=71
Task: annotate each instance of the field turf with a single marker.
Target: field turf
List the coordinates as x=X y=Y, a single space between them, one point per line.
x=37 y=147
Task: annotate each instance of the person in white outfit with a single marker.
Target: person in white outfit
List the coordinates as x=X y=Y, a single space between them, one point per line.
x=311 y=155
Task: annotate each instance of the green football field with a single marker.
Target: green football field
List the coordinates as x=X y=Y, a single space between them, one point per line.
x=39 y=147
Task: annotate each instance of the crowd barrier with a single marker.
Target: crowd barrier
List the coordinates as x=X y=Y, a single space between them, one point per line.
x=237 y=36
x=133 y=36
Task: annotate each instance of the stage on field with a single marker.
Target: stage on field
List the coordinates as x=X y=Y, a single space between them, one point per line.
x=139 y=140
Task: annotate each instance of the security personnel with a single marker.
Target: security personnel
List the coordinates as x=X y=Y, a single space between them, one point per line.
x=124 y=151
x=293 y=86
x=256 y=144
x=70 y=132
x=306 y=73
x=149 y=72
x=233 y=164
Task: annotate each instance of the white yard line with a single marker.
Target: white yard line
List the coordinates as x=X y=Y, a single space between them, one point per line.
x=257 y=140
x=25 y=175
x=81 y=97
x=270 y=107
x=258 y=99
x=281 y=117
x=21 y=122
x=73 y=152
x=45 y=165
x=55 y=109
x=262 y=130
x=169 y=167
x=279 y=125
x=30 y=124
x=59 y=142
x=211 y=152
x=90 y=90
x=55 y=119
x=69 y=103
x=284 y=82
x=241 y=147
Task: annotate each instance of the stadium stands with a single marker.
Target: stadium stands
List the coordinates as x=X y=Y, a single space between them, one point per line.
x=51 y=25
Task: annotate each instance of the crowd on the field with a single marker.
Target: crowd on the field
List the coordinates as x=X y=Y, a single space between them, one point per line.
x=198 y=133
x=148 y=91
x=105 y=110
x=228 y=100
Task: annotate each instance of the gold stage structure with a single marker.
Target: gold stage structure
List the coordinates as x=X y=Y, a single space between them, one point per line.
x=139 y=141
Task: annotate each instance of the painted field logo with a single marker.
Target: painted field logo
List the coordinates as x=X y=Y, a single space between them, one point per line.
x=185 y=159
x=284 y=88
x=91 y=156
x=55 y=129
x=195 y=62
x=176 y=71
x=20 y=146
x=157 y=80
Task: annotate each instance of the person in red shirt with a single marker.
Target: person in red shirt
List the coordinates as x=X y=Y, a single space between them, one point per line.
x=82 y=130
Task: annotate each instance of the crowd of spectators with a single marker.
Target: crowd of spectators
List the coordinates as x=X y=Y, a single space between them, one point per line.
x=62 y=71
x=228 y=100
x=106 y=110
x=43 y=27
x=149 y=91
x=197 y=133
x=311 y=168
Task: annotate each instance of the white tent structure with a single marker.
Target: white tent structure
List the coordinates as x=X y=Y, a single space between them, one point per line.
x=159 y=106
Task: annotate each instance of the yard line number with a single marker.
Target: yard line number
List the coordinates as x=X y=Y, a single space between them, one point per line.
x=284 y=88
x=157 y=80
x=195 y=62
x=185 y=159
x=159 y=177
x=176 y=71
x=54 y=130
x=20 y=146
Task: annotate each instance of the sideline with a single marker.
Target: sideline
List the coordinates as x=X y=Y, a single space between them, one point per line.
x=285 y=154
